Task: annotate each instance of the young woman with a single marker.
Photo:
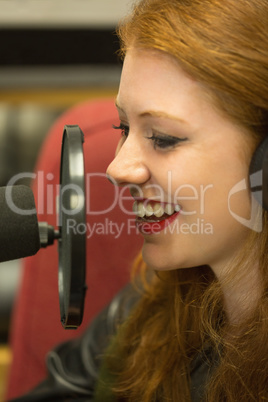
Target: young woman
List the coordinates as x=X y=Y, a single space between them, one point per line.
x=192 y=103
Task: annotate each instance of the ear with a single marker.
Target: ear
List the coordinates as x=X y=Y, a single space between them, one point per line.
x=258 y=174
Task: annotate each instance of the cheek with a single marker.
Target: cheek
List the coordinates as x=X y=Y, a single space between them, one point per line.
x=193 y=187
x=239 y=201
x=214 y=197
x=226 y=204
x=211 y=185
x=190 y=196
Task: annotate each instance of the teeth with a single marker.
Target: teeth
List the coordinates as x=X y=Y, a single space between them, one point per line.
x=138 y=209
x=177 y=208
x=135 y=208
x=169 y=209
x=158 y=210
x=141 y=210
x=149 y=211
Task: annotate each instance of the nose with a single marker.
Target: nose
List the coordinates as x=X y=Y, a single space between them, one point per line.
x=128 y=166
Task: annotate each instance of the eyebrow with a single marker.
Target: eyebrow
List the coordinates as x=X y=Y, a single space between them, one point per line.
x=155 y=113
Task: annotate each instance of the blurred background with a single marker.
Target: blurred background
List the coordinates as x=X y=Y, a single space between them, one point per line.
x=53 y=54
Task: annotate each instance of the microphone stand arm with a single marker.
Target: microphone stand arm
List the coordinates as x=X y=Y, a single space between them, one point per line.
x=47 y=234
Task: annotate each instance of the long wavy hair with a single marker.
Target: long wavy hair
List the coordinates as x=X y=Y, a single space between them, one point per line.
x=224 y=45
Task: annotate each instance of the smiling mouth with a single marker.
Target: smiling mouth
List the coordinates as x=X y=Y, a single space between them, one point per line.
x=152 y=216
x=153 y=210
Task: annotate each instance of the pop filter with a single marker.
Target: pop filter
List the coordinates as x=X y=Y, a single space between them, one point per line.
x=71 y=234
x=72 y=218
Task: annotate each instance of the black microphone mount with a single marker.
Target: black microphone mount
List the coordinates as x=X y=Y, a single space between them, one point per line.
x=47 y=234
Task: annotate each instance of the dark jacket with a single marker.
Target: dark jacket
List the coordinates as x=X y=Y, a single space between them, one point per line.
x=73 y=366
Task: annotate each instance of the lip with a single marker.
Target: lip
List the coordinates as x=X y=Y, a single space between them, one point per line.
x=150 y=228
x=151 y=201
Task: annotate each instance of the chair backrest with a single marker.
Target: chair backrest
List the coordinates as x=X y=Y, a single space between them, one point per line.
x=36 y=326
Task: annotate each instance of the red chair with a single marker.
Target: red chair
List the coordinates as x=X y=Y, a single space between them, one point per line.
x=36 y=326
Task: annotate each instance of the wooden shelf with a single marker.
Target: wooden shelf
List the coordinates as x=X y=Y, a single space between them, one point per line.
x=5 y=361
x=54 y=97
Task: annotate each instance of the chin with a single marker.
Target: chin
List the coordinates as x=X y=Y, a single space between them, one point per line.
x=161 y=259
x=157 y=260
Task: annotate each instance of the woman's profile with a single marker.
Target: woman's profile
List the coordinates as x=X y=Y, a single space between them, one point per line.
x=193 y=109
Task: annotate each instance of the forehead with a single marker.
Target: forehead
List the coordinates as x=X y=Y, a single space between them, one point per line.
x=151 y=65
x=155 y=79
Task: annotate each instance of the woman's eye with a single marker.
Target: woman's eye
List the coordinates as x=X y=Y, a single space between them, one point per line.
x=165 y=141
x=159 y=141
x=124 y=129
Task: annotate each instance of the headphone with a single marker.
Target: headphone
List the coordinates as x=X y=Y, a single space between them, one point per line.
x=258 y=174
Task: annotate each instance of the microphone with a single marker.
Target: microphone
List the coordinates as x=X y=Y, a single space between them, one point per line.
x=21 y=235
x=19 y=229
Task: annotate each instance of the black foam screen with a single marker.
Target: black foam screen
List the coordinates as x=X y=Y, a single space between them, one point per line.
x=19 y=231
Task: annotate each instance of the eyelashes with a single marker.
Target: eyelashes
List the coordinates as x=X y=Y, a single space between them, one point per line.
x=124 y=129
x=165 y=141
x=161 y=141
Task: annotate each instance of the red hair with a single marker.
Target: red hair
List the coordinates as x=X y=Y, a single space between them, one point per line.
x=224 y=45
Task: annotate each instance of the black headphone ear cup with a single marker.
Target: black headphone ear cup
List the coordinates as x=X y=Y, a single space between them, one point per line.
x=258 y=174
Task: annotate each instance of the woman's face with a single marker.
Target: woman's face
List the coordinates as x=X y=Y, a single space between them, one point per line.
x=181 y=159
